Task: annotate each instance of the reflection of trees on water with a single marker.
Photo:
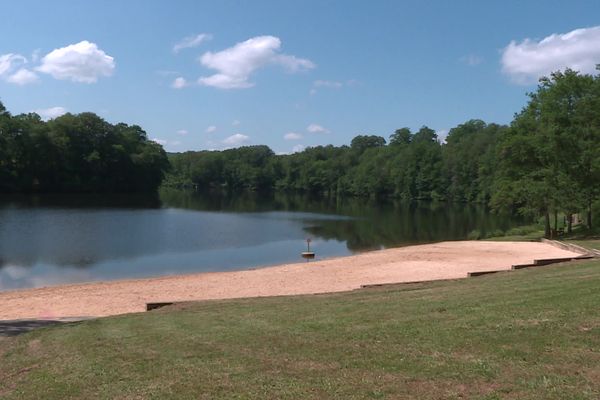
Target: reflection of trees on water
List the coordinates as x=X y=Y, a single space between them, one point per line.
x=83 y=230
x=374 y=223
x=81 y=200
x=395 y=225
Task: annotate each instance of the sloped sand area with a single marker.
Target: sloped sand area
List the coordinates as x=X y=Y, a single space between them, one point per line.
x=446 y=260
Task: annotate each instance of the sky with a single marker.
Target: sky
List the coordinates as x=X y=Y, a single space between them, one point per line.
x=200 y=75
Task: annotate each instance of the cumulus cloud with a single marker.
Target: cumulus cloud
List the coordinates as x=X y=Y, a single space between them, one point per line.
x=298 y=148
x=9 y=61
x=292 y=136
x=315 y=128
x=81 y=62
x=236 y=140
x=51 y=113
x=211 y=129
x=179 y=83
x=235 y=122
x=12 y=70
x=235 y=65
x=182 y=132
x=442 y=134
x=162 y=142
x=23 y=77
x=191 y=41
x=528 y=60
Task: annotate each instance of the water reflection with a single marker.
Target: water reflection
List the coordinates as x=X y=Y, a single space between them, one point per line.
x=367 y=224
x=48 y=240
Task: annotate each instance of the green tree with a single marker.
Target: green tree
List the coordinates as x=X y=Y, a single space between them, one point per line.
x=401 y=136
x=549 y=155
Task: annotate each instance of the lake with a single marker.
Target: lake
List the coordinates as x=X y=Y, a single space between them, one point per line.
x=56 y=239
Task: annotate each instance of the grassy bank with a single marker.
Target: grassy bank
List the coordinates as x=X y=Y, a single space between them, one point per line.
x=530 y=334
x=589 y=243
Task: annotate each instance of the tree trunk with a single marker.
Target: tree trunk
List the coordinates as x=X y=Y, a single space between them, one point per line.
x=547 y=225
x=555 y=222
x=570 y=223
x=589 y=216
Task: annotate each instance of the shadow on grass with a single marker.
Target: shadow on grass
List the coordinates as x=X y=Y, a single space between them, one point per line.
x=20 y=326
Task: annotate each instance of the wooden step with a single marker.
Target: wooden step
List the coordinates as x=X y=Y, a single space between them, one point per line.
x=521 y=266
x=548 y=261
x=480 y=273
x=154 y=306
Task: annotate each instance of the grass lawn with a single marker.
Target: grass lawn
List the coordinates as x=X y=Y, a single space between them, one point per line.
x=530 y=334
x=590 y=243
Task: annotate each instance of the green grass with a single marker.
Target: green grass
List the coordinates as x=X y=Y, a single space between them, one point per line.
x=531 y=334
x=590 y=244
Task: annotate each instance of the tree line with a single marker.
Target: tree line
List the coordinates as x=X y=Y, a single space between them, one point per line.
x=412 y=166
x=76 y=153
x=546 y=161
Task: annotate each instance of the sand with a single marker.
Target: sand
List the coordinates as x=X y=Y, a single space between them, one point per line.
x=446 y=260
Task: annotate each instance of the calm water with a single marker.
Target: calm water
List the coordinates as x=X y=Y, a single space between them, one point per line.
x=49 y=240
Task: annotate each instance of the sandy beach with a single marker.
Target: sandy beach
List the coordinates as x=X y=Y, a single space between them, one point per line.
x=446 y=260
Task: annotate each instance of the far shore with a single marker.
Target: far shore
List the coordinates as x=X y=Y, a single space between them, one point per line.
x=445 y=260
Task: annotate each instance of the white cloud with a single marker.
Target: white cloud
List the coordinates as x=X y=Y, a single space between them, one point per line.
x=298 y=148
x=235 y=122
x=529 y=60
x=81 y=62
x=179 y=83
x=162 y=142
x=50 y=113
x=191 y=41
x=182 y=132
x=12 y=71
x=442 y=134
x=9 y=61
x=236 y=140
x=23 y=77
x=292 y=136
x=175 y=143
x=325 y=84
x=211 y=129
x=328 y=84
x=315 y=128
x=236 y=64
x=35 y=56
x=471 y=60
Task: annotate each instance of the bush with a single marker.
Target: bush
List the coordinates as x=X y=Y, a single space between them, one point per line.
x=522 y=230
x=497 y=233
x=475 y=234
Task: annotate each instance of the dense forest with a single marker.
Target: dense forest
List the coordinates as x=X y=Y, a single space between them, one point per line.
x=412 y=166
x=76 y=153
x=547 y=161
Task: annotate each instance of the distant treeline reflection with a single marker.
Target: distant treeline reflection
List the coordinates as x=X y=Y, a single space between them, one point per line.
x=364 y=223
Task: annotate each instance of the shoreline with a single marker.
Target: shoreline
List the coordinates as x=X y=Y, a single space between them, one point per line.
x=425 y=262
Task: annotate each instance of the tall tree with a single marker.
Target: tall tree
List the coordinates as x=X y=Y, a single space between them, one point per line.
x=548 y=158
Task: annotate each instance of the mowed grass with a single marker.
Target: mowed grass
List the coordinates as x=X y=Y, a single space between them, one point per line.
x=530 y=334
x=589 y=243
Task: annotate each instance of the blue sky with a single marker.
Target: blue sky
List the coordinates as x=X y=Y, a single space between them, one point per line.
x=215 y=74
